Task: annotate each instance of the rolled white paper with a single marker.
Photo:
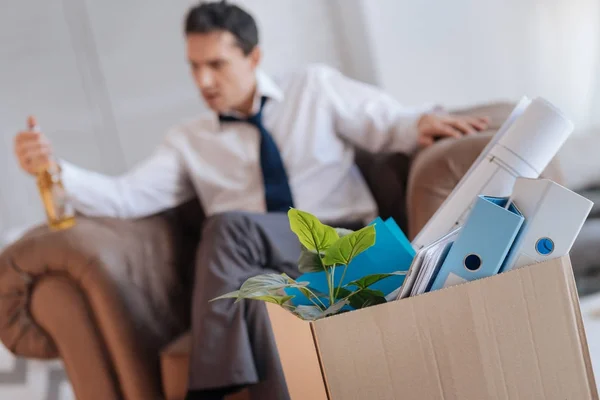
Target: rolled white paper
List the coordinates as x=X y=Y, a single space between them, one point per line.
x=523 y=147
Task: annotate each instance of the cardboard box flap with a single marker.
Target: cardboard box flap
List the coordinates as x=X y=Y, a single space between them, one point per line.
x=580 y=327
x=298 y=354
x=514 y=335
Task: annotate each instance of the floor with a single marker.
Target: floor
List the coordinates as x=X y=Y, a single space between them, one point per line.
x=32 y=380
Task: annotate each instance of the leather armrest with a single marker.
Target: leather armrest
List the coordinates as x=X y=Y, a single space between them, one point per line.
x=106 y=295
x=135 y=266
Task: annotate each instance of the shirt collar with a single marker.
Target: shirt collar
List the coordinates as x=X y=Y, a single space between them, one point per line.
x=265 y=87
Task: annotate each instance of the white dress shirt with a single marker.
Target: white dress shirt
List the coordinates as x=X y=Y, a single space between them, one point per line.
x=316 y=116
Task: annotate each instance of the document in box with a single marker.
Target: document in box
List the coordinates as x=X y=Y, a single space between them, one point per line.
x=425 y=266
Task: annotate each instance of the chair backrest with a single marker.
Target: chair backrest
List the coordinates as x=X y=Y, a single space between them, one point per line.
x=387 y=178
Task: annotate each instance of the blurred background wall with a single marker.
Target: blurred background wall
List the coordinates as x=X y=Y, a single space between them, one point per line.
x=106 y=79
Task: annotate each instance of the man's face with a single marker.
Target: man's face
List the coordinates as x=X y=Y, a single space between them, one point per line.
x=225 y=76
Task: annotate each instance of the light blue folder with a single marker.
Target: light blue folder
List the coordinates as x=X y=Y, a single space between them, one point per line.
x=483 y=244
x=391 y=252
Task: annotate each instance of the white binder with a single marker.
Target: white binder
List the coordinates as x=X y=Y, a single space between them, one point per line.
x=553 y=215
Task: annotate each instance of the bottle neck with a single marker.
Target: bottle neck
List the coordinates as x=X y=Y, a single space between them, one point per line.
x=52 y=169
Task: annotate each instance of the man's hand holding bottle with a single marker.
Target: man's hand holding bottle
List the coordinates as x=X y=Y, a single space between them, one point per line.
x=32 y=149
x=34 y=153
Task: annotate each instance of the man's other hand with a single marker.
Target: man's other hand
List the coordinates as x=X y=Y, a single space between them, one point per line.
x=32 y=149
x=436 y=126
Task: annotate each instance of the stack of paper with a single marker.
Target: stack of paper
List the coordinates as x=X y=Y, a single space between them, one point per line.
x=425 y=266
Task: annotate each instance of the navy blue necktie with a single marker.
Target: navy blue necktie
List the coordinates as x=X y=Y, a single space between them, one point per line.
x=278 y=195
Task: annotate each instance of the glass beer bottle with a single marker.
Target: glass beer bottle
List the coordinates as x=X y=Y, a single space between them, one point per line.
x=59 y=210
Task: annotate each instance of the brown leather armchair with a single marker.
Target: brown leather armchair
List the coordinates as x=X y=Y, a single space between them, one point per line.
x=112 y=297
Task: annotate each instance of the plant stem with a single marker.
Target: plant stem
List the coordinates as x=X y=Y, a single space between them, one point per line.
x=328 y=279
x=341 y=281
x=332 y=286
x=328 y=276
x=322 y=306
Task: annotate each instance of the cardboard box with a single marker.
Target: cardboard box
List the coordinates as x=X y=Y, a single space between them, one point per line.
x=516 y=335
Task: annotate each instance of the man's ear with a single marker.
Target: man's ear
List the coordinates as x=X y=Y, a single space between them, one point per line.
x=255 y=56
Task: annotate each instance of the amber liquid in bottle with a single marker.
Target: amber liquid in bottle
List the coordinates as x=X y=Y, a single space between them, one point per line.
x=59 y=211
x=58 y=207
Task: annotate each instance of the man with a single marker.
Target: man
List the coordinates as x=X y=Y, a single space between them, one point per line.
x=263 y=148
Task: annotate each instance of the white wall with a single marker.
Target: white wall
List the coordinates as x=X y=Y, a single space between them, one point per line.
x=355 y=40
x=464 y=51
x=41 y=73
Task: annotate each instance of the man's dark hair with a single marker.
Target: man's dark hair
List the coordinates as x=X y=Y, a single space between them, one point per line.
x=216 y=16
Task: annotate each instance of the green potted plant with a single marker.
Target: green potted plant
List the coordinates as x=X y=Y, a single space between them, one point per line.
x=324 y=249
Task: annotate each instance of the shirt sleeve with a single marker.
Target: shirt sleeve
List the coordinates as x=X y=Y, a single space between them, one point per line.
x=368 y=117
x=156 y=184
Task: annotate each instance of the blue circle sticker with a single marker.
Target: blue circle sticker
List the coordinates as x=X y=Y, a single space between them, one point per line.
x=472 y=262
x=544 y=246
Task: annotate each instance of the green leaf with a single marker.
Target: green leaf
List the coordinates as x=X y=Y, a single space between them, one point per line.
x=309 y=261
x=361 y=297
x=336 y=308
x=343 y=231
x=310 y=231
x=279 y=300
x=366 y=297
x=311 y=313
x=369 y=280
x=267 y=284
x=349 y=246
x=342 y=292
x=230 y=295
x=308 y=313
x=314 y=291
